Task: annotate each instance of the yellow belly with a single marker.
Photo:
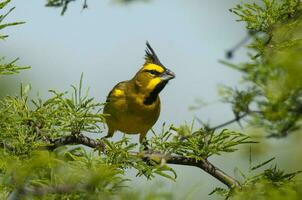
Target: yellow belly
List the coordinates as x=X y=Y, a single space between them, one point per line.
x=131 y=117
x=132 y=124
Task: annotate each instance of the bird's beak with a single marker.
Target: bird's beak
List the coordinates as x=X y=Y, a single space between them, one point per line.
x=167 y=75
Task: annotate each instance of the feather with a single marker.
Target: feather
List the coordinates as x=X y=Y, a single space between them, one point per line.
x=151 y=56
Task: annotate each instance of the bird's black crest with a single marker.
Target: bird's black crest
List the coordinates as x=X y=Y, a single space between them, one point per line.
x=151 y=56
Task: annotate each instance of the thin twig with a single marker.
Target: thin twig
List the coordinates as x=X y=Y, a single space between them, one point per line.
x=230 y=52
x=85 y=5
x=236 y=119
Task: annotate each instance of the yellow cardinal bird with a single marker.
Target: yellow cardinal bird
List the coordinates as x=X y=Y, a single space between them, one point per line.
x=133 y=106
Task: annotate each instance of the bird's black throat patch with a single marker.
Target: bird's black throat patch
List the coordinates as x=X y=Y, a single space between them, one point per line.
x=154 y=94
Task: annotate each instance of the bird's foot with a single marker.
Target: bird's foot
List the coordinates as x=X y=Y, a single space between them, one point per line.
x=144 y=146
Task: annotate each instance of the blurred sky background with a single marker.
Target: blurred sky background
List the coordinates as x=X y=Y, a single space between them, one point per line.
x=107 y=41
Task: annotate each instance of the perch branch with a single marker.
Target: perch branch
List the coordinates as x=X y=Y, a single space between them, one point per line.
x=203 y=164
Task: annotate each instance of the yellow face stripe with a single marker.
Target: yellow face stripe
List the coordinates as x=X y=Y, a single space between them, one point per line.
x=118 y=92
x=153 y=83
x=155 y=67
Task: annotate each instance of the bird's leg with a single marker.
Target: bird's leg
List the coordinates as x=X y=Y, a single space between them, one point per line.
x=109 y=134
x=145 y=145
x=143 y=141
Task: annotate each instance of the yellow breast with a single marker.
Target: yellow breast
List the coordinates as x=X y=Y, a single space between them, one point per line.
x=128 y=113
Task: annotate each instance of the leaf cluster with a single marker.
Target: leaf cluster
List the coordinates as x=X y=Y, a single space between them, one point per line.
x=273 y=75
x=27 y=124
x=3 y=25
x=73 y=174
x=271 y=183
x=198 y=144
x=10 y=67
x=262 y=16
x=122 y=153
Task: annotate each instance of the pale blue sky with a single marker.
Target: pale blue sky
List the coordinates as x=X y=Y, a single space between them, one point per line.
x=107 y=41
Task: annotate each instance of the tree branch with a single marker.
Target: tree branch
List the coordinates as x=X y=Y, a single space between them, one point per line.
x=203 y=164
x=76 y=139
x=236 y=119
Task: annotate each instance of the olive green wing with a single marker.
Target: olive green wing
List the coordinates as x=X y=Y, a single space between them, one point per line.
x=116 y=102
x=117 y=92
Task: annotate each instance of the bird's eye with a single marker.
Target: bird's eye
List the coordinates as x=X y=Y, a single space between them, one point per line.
x=153 y=72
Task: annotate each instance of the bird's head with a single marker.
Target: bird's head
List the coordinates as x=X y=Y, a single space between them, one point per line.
x=153 y=76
